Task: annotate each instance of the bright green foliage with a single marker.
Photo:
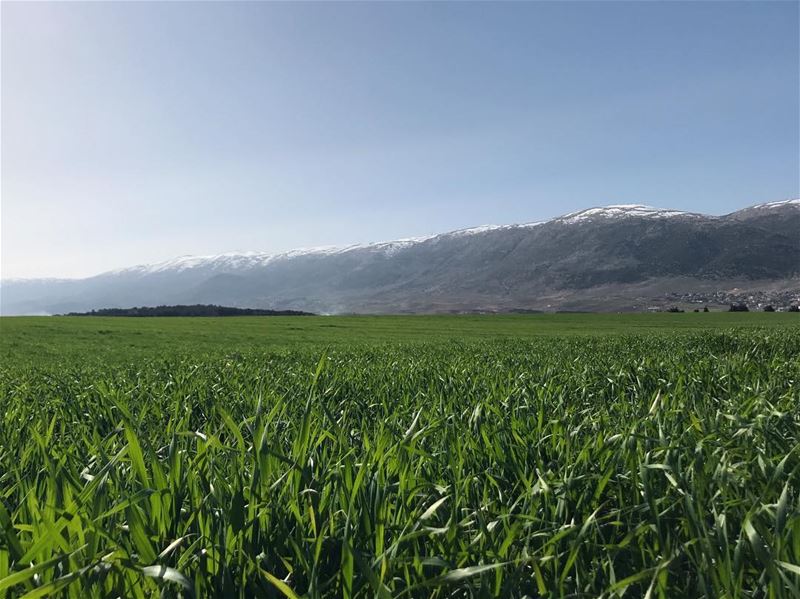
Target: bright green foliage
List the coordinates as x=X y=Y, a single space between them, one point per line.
x=45 y=340
x=659 y=465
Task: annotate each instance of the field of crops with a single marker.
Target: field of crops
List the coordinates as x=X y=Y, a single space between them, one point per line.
x=657 y=460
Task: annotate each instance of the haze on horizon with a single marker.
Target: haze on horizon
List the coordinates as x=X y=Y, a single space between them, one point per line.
x=137 y=132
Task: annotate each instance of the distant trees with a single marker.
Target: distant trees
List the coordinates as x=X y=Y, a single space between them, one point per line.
x=195 y=310
x=675 y=309
x=769 y=309
x=794 y=308
x=705 y=308
x=739 y=308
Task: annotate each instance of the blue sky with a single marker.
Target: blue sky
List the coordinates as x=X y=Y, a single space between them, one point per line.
x=136 y=132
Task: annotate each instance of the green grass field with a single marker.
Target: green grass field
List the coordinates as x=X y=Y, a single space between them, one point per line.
x=575 y=455
x=40 y=340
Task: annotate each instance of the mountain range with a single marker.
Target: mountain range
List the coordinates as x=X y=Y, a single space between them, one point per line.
x=620 y=257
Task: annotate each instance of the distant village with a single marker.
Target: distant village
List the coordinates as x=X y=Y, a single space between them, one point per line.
x=733 y=301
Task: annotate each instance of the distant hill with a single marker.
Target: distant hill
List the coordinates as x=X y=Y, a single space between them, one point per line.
x=624 y=257
x=196 y=310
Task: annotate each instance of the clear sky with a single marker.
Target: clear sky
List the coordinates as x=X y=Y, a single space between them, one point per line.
x=136 y=132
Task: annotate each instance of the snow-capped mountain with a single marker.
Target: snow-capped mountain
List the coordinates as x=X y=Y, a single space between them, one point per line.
x=238 y=261
x=595 y=258
x=617 y=211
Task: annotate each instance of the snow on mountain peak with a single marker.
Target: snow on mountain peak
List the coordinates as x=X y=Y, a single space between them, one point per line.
x=231 y=261
x=620 y=211
x=771 y=205
x=486 y=228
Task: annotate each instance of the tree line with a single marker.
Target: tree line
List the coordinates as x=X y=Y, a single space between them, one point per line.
x=193 y=310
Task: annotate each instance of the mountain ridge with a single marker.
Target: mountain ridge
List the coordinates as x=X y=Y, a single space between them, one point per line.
x=611 y=210
x=495 y=267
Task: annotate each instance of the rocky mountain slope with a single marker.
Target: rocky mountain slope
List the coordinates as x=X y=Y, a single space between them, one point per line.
x=609 y=258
